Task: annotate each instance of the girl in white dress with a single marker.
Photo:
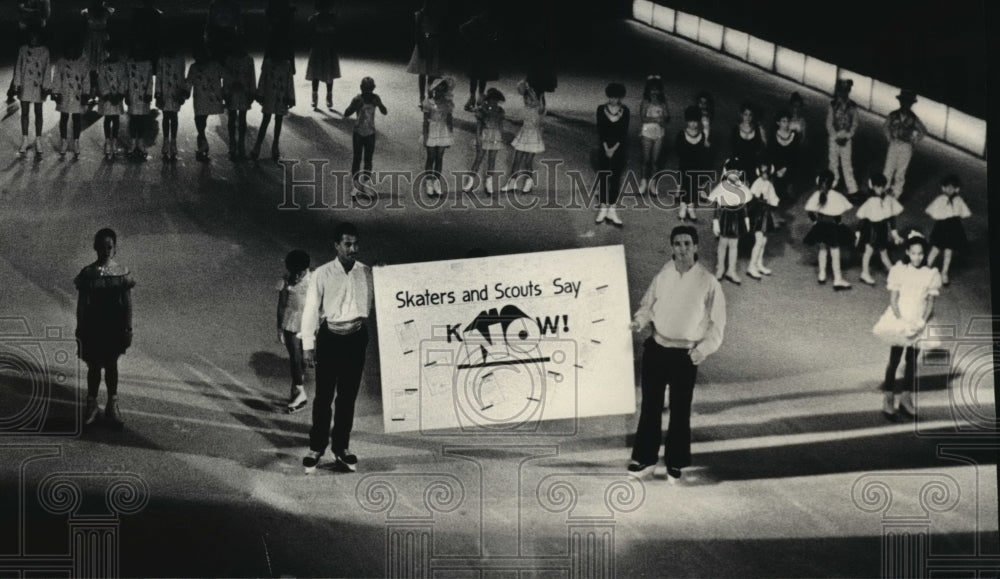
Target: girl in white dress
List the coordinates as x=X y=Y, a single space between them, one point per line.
x=877 y=228
x=71 y=90
x=528 y=141
x=913 y=287
x=489 y=138
x=826 y=208
x=437 y=130
x=948 y=211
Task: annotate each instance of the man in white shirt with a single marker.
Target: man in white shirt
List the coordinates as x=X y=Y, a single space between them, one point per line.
x=687 y=310
x=338 y=301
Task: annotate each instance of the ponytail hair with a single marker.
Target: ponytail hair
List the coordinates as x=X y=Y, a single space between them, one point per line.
x=824 y=181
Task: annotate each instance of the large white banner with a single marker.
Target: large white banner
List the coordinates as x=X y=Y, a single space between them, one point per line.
x=508 y=344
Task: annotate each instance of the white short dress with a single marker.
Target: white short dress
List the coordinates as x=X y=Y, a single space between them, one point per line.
x=914 y=284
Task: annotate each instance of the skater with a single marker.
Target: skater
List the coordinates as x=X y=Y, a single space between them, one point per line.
x=749 y=140
x=365 y=105
x=276 y=95
x=482 y=35
x=841 y=124
x=324 y=63
x=687 y=310
x=171 y=92
x=655 y=115
x=112 y=82
x=31 y=84
x=437 y=131
x=71 y=91
x=204 y=80
x=948 y=210
x=731 y=220
x=529 y=140
x=97 y=14
x=489 y=138
x=763 y=201
x=783 y=152
x=425 y=62
x=797 y=122
x=338 y=302
x=104 y=323
x=903 y=129
x=239 y=81
x=826 y=208
x=612 y=132
x=694 y=161
x=877 y=227
x=291 y=302
x=913 y=287
x=144 y=50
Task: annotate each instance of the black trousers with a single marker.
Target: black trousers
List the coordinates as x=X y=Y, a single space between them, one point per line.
x=610 y=187
x=340 y=360
x=909 y=371
x=662 y=366
x=363 y=146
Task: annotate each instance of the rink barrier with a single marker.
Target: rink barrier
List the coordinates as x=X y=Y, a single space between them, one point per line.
x=943 y=122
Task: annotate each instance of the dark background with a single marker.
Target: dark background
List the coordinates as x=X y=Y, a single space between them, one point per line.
x=937 y=48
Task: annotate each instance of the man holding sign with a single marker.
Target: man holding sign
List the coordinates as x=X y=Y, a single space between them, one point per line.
x=338 y=301
x=687 y=309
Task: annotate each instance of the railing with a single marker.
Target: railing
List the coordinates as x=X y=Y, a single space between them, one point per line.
x=943 y=122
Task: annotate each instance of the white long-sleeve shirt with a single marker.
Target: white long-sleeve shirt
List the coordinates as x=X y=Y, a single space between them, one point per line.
x=687 y=311
x=342 y=300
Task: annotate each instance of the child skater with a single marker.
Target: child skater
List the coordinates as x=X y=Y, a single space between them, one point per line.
x=528 y=141
x=204 y=79
x=694 y=158
x=826 y=208
x=276 y=94
x=291 y=302
x=877 y=229
x=31 y=84
x=112 y=82
x=612 y=132
x=425 y=62
x=171 y=92
x=104 y=323
x=783 y=151
x=655 y=115
x=913 y=287
x=324 y=63
x=763 y=201
x=437 y=130
x=139 y=97
x=706 y=104
x=239 y=81
x=71 y=91
x=489 y=137
x=948 y=210
x=364 y=105
x=731 y=219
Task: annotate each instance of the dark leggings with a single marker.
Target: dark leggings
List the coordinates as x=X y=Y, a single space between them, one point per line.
x=25 y=110
x=909 y=372
x=262 y=131
x=613 y=167
x=200 y=122
x=169 y=125
x=475 y=83
x=136 y=125
x=111 y=124
x=237 y=126
x=64 y=124
x=435 y=159
x=110 y=378
x=364 y=147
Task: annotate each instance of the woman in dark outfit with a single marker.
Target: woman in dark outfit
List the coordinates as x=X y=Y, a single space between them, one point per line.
x=612 y=128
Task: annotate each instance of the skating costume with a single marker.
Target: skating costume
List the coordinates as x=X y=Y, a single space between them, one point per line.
x=612 y=130
x=140 y=86
x=693 y=157
x=948 y=214
x=730 y=200
x=324 y=62
x=749 y=151
x=529 y=138
x=841 y=124
x=112 y=83
x=914 y=284
x=103 y=324
x=784 y=154
x=828 y=228
x=275 y=89
x=438 y=133
x=239 y=80
x=654 y=117
x=97 y=36
x=31 y=74
x=878 y=219
x=491 y=130
x=205 y=81
x=295 y=301
x=763 y=200
x=426 y=57
x=483 y=38
x=71 y=81
x=171 y=84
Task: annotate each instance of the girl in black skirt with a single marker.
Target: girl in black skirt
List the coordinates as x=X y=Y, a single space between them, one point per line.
x=694 y=160
x=763 y=201
x=731 y=219
x=826 y=208
x=877 y=226
x=783 y=151
x=947 y=211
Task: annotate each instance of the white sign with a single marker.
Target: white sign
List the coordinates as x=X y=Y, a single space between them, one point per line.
x=505 y=344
